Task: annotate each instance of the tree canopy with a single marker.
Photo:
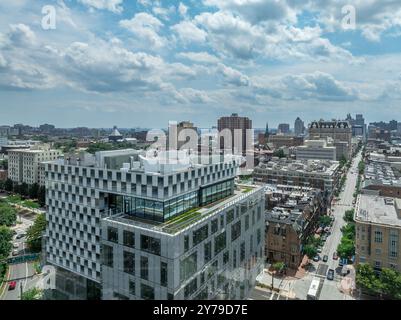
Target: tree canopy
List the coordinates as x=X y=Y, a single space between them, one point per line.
x=34 y=233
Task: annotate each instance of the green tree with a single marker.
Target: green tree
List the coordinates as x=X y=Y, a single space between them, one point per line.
x=42 y=196
x=279 y=153
x=5 y=242
x=32 y=294
x=343 y=161
x=361 y=167
x=310 y=251
x=349 y=231
x=391 y=283
x=34 y=233
x=346 y=248
x=367 y=280
x=24 y=189
x=278 y=266
x=349 y=215
x=8 y=215
x=325 y=220
x=34 y=191
x=8 y=186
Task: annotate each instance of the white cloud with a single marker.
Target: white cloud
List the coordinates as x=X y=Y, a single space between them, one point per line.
x=145 y=27
x=199 y=57
x=232 y=76
x=111 y=5
x=187 y=31
x=182 y=9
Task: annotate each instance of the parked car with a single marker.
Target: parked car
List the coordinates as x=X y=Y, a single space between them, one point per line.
x=342 y=262
x=319 y=250
x=15 y=245
x=12 y=285
x=330 y=274
x=335 y=256
x=15 y=253
x=20 y=236
x=325 y=258
x=316 y=258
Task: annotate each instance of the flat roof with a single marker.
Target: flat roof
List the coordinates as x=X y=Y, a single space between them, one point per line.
x=378 y=210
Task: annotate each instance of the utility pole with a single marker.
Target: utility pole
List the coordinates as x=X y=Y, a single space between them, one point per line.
x=21 y=290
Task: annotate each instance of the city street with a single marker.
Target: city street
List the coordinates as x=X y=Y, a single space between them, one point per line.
x=22 y=273
x=331 y=289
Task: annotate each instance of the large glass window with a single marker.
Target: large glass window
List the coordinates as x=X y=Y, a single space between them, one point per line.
x=150 y=244
x=208 y=251
x=132 y=287
x=230 y=216
x=219 y=242
x=128 y=238
x=235 y=230
x=188 y=266
x=147 y=292
x=190 y=288
x=242 y=252
x=200 y=234
x=144 y=268
x=163 y=274
x=378 y=236
x=108 y=256
x=129 y=262
x=112 y=234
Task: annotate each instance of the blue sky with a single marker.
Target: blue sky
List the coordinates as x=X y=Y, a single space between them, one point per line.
x=143 y=63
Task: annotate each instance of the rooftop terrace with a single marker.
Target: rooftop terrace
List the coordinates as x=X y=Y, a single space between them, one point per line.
x=192 y=216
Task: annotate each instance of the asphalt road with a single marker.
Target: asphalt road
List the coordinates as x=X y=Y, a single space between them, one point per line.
x=330 y=289
x=22 y=273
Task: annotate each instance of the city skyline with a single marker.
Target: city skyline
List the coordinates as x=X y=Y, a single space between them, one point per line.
x=122 y=62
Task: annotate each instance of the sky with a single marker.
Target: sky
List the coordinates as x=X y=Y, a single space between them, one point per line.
x=144 y=63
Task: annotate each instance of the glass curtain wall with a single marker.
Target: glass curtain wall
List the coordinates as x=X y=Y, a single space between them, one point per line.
x=216 y=192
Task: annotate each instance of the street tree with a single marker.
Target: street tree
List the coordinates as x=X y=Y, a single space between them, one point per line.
x=34 y=233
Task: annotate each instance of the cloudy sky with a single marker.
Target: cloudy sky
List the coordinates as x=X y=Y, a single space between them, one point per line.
x=143 y=63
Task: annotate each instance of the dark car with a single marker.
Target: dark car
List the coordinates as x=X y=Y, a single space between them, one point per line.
x=325 y=258
x=330 y=274
x=12 y=285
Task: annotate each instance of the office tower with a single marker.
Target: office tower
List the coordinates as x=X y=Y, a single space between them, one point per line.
x=284 y=128
x=267 y=132
x=233 y=123
x=299 y=127
x=339 y=131
x=129 y=225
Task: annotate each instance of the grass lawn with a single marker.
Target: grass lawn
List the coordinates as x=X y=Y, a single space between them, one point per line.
x=15 y=199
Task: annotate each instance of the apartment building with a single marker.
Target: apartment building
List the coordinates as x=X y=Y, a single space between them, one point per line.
x=281 y=140
x=235 y=124
x=24 y=165
x=316 y=149
x=292 y=214
x=378 y=230
x=129 y=225
x=319 y=174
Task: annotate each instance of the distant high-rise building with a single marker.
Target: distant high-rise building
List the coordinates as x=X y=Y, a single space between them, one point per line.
x=267 y=132
x=186 y=125
x=339 y=131
x=233 y=123
x=299 y=127
x=284 y=128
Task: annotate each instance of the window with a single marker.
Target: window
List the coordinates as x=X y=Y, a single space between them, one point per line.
x=230 y=216
x=226 y=257
x=190 y=288
x=188 y=266
x=163 y=274
x=246 y=222
x=221 y=221
x=147 y=292
x=378 y=265
x=108 y=256
x=242 y=252
x=219 y=242
x=208 y=252
x=132 y=287
x=150 y=244
x=200 y=234
x=378 y=236
x=129 y=239
x=129 y=262
x=112 y=234
x=258 y=236
x=235 y=230
x=393 y=244
x=144 y=268
x=214 y=226
x=186 y=243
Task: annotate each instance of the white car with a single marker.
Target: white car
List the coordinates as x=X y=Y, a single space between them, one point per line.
x=15 y=253
x=16 y=245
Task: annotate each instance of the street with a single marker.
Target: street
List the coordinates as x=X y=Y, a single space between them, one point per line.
x=331 y=289
x=22 y=273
